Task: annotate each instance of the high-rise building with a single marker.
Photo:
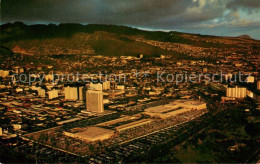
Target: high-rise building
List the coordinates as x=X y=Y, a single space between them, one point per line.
x=53 y=94
x=236 y=92
x=81 y=91
x=94 y=100
x=106 y=85
x=71 y=93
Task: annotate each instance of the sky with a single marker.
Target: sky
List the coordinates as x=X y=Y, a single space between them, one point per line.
x=212 y=17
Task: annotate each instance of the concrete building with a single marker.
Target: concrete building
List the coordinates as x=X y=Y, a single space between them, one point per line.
x=21 y=70
x=41 y=92
x=97 y=87
x=133 y=124
x=90 y=134
x=106 y=85
x=19 y=90
x=94 y=100
x=174 y=108
x=53 y=94
x=250 y=79
x=71 y=93
x=251 y=94
x=81 y=95
x=4 y=73
x=236 y=92
x=49 y=77
x=120 y=87
x=162 y=56
x=123 y=118
x=17 y=126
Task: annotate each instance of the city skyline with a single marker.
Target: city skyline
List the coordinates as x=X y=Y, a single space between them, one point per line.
x=93 y=81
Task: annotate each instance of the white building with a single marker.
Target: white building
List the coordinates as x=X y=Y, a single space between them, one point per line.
x=71 y=93
x=53 y=94
x=237 y=92
x=94 y=100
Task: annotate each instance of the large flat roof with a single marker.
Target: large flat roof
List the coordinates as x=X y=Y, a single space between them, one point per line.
x=174 y=108
x=115 y=121
x=133 y=124
x=94 y=132
x=175 y=105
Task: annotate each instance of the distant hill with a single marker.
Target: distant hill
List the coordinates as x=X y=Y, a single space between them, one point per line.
x=245 y=37
x=107 y=40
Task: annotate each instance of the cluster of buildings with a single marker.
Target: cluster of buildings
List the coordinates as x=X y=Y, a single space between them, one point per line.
x=36 y=107
x=106 y=130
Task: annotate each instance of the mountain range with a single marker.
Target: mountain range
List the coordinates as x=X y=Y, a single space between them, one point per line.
x=107 y=40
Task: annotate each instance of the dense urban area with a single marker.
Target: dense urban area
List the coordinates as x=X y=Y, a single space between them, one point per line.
x=113 y=94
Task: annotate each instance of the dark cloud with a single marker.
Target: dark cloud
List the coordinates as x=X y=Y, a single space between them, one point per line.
x=154 y=14
x=127 y=12
x=92 y=11
x=246 y=4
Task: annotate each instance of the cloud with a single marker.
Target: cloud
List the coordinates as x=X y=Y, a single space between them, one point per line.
x=249 y=5
x=152 y=14
x=92 y=11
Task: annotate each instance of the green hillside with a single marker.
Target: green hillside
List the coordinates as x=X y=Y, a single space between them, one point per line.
x=114 y=45
x=96 y=39
x=103 y=43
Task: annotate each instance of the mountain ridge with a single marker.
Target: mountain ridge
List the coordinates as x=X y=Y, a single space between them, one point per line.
x=109 y=40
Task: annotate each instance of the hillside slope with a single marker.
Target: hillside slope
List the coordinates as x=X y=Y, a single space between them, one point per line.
x=108 y=40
